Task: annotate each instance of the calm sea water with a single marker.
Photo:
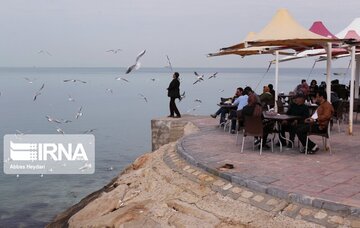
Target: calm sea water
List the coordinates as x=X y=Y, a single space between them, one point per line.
x=121 y=119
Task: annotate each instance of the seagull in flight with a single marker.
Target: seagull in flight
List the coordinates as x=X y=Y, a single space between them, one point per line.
x=109 y=90
x=36 y=95
x=152 y=79
x=137 y=63
x=60 y=131
x=71 y=98
x=85 y=166
x=29 y=80
x=142 y=96
x=169 y=62
x=335 y=73
x=221 y=90
x=199 y=78
x=79 y=113
x=120 y=78
x=74 y=80
x=50 y=119
x=89 y=131
x=39 y=92
x=193 y=109
x=213 y=76
x=182 y=96
x=114 y=51
x=44 y=52
x=198 y=100
x=18 y=132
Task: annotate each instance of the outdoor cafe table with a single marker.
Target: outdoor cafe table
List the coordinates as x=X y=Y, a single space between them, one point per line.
x=312 y=108
x=278 y=118
x=228 y=106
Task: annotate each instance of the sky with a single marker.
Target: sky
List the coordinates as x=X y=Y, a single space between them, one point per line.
x=77 y=33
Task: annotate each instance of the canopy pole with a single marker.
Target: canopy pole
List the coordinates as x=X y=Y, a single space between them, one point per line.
x=357 y=76
x=351 y=102
x=328 y=71
x=276 y=78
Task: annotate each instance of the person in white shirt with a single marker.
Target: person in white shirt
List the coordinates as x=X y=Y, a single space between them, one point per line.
x=240 y=102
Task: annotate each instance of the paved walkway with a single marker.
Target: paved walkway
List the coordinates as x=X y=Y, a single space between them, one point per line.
x=322 y=180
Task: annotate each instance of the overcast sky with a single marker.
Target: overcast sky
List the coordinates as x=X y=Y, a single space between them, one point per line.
x=78 y=32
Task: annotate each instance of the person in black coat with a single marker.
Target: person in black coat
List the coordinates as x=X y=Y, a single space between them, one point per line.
x=173 y=93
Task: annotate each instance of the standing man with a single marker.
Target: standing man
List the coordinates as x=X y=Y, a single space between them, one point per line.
x=173 y=93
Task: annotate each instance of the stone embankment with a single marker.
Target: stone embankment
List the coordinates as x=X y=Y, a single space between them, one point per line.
x=160 y=189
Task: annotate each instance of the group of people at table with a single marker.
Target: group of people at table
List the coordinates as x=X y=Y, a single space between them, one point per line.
x=246 y=102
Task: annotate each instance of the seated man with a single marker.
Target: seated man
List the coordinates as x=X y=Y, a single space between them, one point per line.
x=223 y=111
x=302 y=88
x=240 y=102
x=296 y=108
x=318 y=122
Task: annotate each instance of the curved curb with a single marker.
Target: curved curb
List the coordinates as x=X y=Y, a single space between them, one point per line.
x=263 y=188
x=271 y=204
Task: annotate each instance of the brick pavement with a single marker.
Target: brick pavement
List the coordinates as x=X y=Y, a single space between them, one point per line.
x=324 y=181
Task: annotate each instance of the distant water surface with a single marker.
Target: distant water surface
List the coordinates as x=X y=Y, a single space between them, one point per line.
x=121 y=119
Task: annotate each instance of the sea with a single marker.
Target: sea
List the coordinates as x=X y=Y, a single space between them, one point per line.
x=118 y=114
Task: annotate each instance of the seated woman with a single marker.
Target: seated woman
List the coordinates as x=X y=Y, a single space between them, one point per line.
x=313 y=89
x=253 y=108
x=266 y=98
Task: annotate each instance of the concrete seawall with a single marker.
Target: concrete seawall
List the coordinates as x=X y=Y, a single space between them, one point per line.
x=167 y=130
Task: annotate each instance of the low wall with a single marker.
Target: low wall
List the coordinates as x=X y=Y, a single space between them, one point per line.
x=166 y=130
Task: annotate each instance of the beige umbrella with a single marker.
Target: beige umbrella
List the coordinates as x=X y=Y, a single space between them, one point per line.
x=283 y=32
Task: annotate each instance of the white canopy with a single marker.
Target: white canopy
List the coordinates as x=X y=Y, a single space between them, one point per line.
x=354 y=25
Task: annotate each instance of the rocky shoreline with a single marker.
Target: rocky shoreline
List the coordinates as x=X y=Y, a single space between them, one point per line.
x=149 y=193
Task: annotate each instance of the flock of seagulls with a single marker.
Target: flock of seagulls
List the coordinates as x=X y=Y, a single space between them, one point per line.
x=79 y=113
x=135 y=66
x=50 y=119
x=200 y=78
